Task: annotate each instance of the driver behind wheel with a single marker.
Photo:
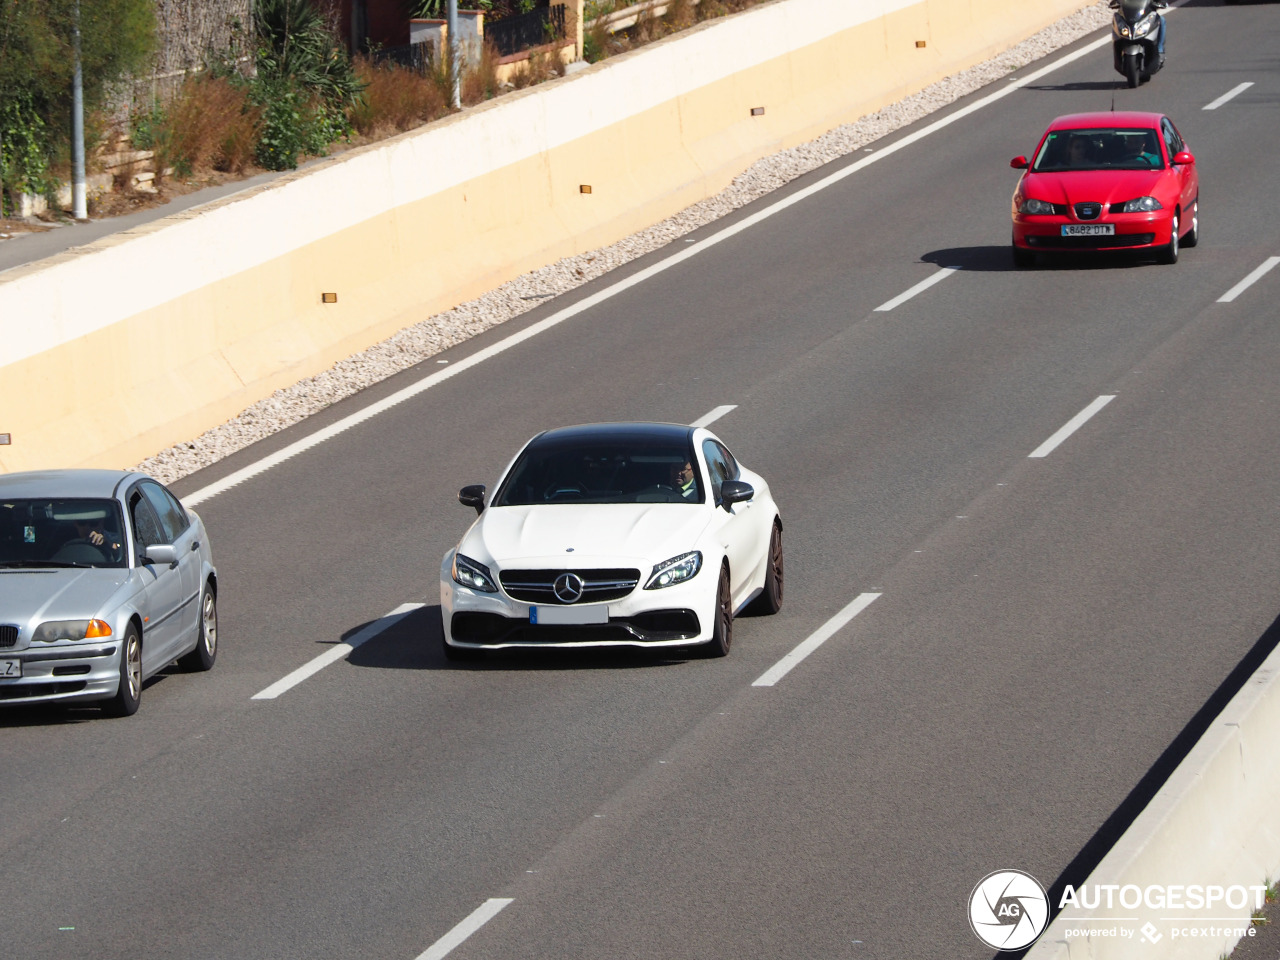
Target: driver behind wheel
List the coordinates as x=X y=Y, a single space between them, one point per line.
x=91 y=529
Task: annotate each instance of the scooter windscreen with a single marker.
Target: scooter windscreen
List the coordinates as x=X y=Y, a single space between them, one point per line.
x=1133 y=9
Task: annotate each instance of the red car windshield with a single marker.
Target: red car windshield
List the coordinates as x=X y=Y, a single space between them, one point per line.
x=1066 y=150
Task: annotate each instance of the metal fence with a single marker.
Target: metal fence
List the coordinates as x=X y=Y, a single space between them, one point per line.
x=513 y=34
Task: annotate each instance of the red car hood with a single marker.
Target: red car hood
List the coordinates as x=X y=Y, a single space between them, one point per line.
x=1102 y=186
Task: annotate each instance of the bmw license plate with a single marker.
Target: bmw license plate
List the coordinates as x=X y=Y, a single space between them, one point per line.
x=1088 y=229
x=10 y=669
x=561 y=616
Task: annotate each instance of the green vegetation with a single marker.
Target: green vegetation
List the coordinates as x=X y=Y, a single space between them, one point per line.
x=36 y=63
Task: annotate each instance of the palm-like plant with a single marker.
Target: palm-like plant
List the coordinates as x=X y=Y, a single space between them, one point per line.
x=296 y=45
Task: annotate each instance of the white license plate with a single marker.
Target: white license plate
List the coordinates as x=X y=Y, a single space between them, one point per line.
x=1088 y=229
x=561 y=616
x=10 y=669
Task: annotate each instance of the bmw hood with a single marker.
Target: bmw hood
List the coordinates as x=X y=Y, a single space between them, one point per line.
x=1099 y=186
x=30 y=596
x=594 y=534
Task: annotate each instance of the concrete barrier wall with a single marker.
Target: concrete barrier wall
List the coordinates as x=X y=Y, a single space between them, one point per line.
x=1216 y=822
x=113 y=351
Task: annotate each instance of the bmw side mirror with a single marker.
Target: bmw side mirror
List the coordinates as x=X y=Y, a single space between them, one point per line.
x=735 y=491
x=472 y=495
x=1019 y=163
x=161 y=554
x=1183 y=158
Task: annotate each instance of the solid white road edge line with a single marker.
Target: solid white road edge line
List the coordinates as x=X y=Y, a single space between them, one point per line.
x=918 y=288
x=1267 y=266
x=746 y=223
x=478 y=918
x=337 y=652
x=815 y=640
x=1071 y=426
x=1233 y=92
x=714 y=415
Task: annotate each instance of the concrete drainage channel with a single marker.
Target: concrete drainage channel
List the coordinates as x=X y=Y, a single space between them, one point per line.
x=1189 y=873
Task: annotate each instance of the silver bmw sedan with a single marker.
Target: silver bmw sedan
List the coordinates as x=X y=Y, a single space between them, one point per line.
x=105 y=579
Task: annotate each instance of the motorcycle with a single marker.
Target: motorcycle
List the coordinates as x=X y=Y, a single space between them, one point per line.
x=1138 y=38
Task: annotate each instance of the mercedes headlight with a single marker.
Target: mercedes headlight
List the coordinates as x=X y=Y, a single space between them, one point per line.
x=1035 y=207
x=52 y=630
x=676 y=570
x=472 y=574
x=1141 y=205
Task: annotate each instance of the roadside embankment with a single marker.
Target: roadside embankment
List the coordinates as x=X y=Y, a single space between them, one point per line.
x=1184 y=879
x=117 y=349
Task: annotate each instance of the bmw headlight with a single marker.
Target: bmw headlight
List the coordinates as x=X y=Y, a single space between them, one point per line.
x=472 y=574
x=1141 y=205
x=676 y=570
x=52 y=630
x=1035 y=207
x=1145 y=25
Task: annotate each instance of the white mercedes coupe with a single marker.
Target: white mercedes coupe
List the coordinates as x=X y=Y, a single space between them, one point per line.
x=613 y=535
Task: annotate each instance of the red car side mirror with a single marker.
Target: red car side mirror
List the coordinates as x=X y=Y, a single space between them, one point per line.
x=1183 y=158
x=1020 y=163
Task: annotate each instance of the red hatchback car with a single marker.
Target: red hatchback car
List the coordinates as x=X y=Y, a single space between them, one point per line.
x=1107 y=181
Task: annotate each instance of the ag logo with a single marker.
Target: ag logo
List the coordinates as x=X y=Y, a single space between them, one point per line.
x=1008 y=909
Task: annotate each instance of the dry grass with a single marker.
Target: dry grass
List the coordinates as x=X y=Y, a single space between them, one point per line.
x=480 y=80
x=211 y=125
x=396 y=98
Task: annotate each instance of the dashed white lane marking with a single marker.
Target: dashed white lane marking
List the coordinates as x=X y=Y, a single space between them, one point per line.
x=1267 y=266
x=478 y=918
x=918 y=288
x=815 y=640
x=1071 y=426
x=714 y=415
x=640 y=276
x=1233 y=92
x=337 y=652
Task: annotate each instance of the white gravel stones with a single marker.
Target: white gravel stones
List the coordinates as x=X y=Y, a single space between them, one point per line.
x=437 y=333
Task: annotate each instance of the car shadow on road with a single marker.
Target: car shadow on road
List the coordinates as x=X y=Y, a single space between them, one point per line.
x=1077 y=871
x=415 y=643
x=999 y=259
x=60 y=714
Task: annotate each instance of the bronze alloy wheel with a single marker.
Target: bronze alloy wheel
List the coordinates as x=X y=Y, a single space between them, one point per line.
x=722 y=636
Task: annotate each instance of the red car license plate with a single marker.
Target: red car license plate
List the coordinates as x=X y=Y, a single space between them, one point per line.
x=1088 y=229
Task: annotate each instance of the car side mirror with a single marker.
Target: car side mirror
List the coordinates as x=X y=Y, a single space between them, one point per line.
x=161 y=554
x=1183 y=158
x=735 y=491
x=472 y=495
x=1019 y=163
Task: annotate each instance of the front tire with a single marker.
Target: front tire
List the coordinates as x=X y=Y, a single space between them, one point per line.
x=722 y=635
x=1169 y=254
x=206 y=652
x=1193 y=235
x=129 y=694
x=1131 y=72
x=770 y=600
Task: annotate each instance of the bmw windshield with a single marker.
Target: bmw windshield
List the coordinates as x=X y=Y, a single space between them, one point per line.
x=61 y=533
x=600 y=470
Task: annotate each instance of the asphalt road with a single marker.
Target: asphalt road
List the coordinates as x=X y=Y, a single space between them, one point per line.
x=1046 y=627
